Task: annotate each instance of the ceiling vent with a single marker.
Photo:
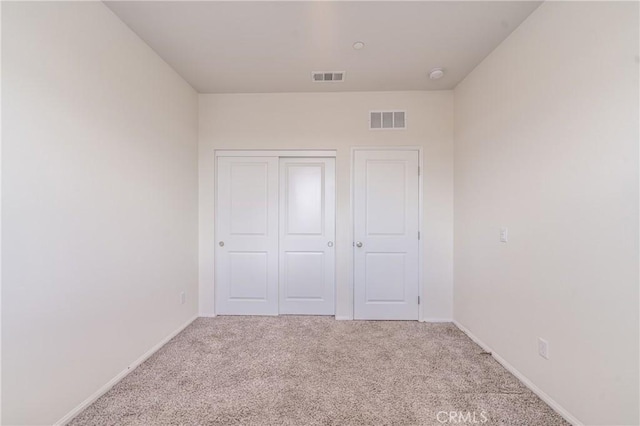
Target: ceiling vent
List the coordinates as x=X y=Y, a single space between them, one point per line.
x=383 y=120
x=327 y=76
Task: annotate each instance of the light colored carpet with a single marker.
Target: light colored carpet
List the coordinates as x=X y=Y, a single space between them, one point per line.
x=318 y=371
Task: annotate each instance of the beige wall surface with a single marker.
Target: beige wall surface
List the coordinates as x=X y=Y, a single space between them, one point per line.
x=546 y=144
x=99 y=208
x=338 y=121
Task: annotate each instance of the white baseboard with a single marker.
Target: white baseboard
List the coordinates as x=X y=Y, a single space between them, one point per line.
x=535 y=389
x=436 y=320
x=348 y=318
x=111 y=383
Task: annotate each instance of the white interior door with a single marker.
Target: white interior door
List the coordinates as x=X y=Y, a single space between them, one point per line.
x=247 y=236
x=307 y=236
x=386 y=216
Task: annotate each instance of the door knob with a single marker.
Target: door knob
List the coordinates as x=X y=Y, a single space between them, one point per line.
x=330 y=243
x=221 y=243
x=358 y=244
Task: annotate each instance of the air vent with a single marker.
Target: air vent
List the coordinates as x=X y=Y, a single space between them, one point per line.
x=383 y=120
x=327 y=76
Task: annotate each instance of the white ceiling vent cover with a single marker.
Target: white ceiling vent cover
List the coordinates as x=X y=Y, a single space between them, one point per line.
x=383 y=120
x=327 y=76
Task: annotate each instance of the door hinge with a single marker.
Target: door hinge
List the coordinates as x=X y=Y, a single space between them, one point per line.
x=418 y=300
x=418 y=170
x=418 y=234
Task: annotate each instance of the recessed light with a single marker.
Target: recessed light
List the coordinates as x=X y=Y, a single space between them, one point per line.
x=358 y=45
x=436 y=73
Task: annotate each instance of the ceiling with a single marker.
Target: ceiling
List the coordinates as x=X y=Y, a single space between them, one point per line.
x=265 y=46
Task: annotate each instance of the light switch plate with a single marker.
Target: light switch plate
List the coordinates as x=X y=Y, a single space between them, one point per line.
x=504 y=235
x=543 y=348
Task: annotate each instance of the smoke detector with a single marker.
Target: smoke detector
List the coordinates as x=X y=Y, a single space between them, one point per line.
x=436 y=73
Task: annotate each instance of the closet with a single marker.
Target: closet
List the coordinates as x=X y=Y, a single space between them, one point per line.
x=386 y=220
x=275 y=234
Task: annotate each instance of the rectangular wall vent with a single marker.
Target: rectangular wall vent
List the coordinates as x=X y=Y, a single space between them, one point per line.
x=382 y=120
x=327 y=76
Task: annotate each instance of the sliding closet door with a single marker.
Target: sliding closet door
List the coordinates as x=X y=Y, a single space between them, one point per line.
x=307 y=235
x=247 y=236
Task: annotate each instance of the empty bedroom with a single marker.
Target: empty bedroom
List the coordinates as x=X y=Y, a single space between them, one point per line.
x=320 y=213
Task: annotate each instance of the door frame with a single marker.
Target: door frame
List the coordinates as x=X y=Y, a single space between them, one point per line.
x=277 y=153
x=421 y=283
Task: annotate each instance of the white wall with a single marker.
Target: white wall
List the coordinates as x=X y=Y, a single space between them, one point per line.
x=99 y=185
x=546 y=144
x=337 y=121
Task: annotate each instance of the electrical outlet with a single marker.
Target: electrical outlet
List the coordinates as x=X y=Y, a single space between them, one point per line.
x=543 y=348
x=504 y=235
x=183 y=298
